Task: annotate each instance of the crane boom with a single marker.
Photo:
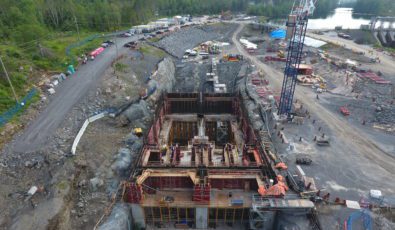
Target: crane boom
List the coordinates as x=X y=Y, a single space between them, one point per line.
x=296 y=32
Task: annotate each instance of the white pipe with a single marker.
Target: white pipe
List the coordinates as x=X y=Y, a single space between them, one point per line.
x=83 y=128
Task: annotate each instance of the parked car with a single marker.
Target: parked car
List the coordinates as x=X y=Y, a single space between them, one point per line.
x=104 y=45
x=130 y=44
x=107 y=43
x=111 y=42
x=345 y=36
x=303 y=161
x=125 y=35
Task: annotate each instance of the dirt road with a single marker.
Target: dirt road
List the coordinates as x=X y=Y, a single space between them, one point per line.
x=351 y=137
x=386 y=61
x=68 y=94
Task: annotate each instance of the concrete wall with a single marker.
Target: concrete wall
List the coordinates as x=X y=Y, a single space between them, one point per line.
x=138 y=215
x=201 y=218
x=119 y=219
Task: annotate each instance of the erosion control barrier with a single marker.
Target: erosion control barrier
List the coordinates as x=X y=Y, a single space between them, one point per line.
x=8 y=115
x=83 y=128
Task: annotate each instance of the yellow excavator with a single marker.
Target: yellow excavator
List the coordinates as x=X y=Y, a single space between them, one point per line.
x=281 y=54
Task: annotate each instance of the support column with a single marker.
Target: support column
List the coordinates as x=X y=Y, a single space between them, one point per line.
x=138 y=215
x=201 y=218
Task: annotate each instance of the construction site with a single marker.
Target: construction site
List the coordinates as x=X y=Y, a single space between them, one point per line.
x=202 y=166
x=214 y=124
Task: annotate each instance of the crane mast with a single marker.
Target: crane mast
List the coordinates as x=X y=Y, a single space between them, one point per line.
x=296 y=32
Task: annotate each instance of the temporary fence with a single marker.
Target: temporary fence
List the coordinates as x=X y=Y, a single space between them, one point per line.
x=8 y=115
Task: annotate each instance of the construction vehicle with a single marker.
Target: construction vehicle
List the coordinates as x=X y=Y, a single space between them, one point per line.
x=296 y=33
x=138 y=132
x=233 y=57
x=281 y=54
x=344 y=111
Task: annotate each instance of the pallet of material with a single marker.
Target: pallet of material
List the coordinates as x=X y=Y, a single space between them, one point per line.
x=307 y=180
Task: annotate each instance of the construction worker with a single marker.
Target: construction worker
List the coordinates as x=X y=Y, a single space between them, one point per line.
x=163 y=150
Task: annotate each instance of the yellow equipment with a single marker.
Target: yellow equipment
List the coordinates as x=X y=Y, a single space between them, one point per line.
x=232 y=57
x=138 y=132
x=281 y=54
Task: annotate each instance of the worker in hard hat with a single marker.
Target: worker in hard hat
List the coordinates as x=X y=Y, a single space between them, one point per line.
x=163 y=150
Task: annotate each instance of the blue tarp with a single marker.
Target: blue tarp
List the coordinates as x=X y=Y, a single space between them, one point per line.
x=278 y=34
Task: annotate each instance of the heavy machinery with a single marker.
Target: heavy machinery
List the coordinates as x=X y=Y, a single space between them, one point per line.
x=296 y=32
x=281 y=54
x=233 y=57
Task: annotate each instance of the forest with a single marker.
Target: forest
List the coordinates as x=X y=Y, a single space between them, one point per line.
x=26 y=20
x=375 y=7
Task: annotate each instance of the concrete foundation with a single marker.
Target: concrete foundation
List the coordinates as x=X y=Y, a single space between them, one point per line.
x=201 y=218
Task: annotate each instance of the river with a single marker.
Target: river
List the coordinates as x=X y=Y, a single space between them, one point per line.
x=340 y=17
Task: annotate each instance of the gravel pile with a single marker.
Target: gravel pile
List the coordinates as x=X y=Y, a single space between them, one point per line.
x=188 y=38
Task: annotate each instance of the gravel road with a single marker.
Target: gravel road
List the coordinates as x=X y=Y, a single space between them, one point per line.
x=68 y=94
x=386 y=61
x=362 y=150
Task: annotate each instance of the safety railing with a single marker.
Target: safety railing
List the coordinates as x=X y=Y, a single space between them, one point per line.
x=8 y=115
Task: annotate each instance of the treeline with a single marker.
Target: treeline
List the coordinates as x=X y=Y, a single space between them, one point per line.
x=281 y=8
x=25 y=20
x=200 y=7
x=376 y=7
